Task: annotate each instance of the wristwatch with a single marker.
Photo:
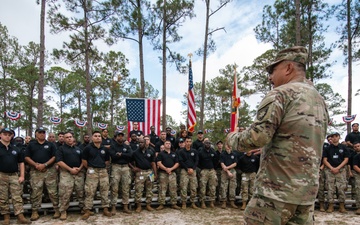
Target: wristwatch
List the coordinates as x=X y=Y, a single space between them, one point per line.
x=46 y=165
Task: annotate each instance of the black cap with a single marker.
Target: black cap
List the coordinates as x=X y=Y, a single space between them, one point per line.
x=117 y=133
x=200 y=132
x=6 y=130
x=219 y=141
x=335 y=133
x=40 y=129
x=181 y=140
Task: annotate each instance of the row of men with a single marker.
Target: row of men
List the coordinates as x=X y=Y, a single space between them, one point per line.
x=83 y=170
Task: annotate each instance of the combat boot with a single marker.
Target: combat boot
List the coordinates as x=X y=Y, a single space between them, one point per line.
x=56 y=214
x=138 y=207
x=63 y=215
x=34 y=215
x=342 y=207
x=243 y=205
x=126 y=209
x=106 y=212
x=86 y=215
x=175 y=206
x=21 y=219
x=357 y=212
x=203 y=206
x=6 y=219
x=183 y=206
x=232 y=204
x=322 y=208
x=149 y=208
x=212 y=204
x=193 y=205
x=331 y=208
x=113 y=210
x=223 y=205
x=161 y=207
x=83 y=211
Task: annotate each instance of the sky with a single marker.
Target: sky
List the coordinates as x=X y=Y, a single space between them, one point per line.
x=237 y=45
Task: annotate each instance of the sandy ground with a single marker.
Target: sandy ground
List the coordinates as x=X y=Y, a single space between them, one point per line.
x=186 y=217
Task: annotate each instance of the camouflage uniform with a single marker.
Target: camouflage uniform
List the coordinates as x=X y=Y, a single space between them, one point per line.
x=249 y=164
x=188 y=159
x=356 y=162
x=290 y=125
x=207 y=161
x=321 y=192
x=69 y=182
x=228 y=183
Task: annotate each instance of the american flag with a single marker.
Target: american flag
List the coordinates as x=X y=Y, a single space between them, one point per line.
x=191 y=102
x=144 y=111
x=235 y=103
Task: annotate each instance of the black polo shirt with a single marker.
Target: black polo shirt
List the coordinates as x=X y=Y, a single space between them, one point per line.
x=137 y=132
x=70 y=155
x=143 y=159
x=96 y=157
x=208 y=158
x=154 y=138
x=356 y=160
x=353 y=137
x=126 y=153
x=336 y=154
x=227 y=158
x=105 y=141
x=58 y=144
x=197 y=144
x=218 y=165
x=40 y=153
x=83 y=145
x=134 y=145
x=249 y=164
x=168 y=159
x=188 y=158
x=9 y=158
x=158 y=145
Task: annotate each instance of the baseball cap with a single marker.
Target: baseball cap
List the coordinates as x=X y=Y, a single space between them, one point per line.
x=6 y=130
x=181 y=140
x=335 y=133
x=297 y=54
x=40 y=129
x=117 y=133
x=200 y=132
x=219 y=141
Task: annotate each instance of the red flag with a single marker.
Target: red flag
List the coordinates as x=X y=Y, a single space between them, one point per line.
x=235 y=103
x=191 y=102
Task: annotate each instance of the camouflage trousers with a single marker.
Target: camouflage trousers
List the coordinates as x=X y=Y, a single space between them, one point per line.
x=186 y=181
x=142 y=179
x=334 y=181
x=228 y=185
x=96 y=177
x=218 y=176
x=247 y=185
x=167 y=181
x=37 y=181
x=208 y=176
x=238 y=181
x=321 y=192
x=120 y=174
x=9 y=183
x=69 y=182
x=357 y=184
x=262 y=210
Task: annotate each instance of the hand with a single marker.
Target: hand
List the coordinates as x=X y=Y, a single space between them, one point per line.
x=118 y=154
x=230 y=174
x=335 y=170
x=190 y=171
x=136 y=169
x=40 y=167
x=74 y=170
x=21 y=179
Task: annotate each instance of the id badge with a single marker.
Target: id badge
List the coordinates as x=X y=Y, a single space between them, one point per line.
x=91 y=171
x=141 y=177
x=335 y=156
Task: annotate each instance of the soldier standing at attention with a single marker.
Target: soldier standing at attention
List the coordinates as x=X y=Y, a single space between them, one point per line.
x=40 y=155
x=290 y=127
x=72 y=174
x=95 y=158
x=11 y=162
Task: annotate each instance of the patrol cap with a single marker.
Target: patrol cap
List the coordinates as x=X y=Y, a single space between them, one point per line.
x=335 y=133
x=200 y=132
x=219 y=141
x=6 y=130
x=297 y=54
x=181 y=140
x=40 y=129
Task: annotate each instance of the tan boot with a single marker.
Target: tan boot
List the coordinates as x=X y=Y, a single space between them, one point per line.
x=175 y=206
x=232 y=204
x=243 y=207
x=183 y=206
x=34 y=215
x=223 y=205
x=342 y=207
x=106 y=212
x=113 y=210
x=357 y=212
x=203 y=206
x=331 y=208
x=63 y=215
x=212 y=204
x=83 y=212
x=161 y=207
x=6 y=219
x=193 y=205
x=126 y=209
x=20 y=219
x=149 y=208
x=86 y=215
x=138 y=207
x=56 y=214
x=322 y=207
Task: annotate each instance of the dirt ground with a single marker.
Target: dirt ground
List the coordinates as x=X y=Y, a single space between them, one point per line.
x=186 y=217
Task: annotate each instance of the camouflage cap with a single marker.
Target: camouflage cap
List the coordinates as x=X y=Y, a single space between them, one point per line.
x=297 y=54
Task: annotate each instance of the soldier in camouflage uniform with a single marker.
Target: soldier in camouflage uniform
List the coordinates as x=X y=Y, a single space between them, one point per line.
x=336 y=157
x=167 y=162
x=228 y=162
x=290 y=127
x=356 y=163
x=11 y=161
x=121 y=156
x=40 y=155
x=96 y=158
x=72 y=173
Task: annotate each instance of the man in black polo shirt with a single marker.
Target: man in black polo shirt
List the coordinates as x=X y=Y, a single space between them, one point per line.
x=167 y=162
x=354 y=136
x=336 y=157
x=136 y=130
x=95 y=158
x=60 y=140
x=72 y=174
x=188 y=159
x=134 y=143
x=207 y=162
x=199 y=142
x=160 y=142
x=144 y=169
x=153 y=137
x=170 y=137
x=105 y=140
x=40 y=155
x=121 y=156
x=11 y=162
x=86 y=141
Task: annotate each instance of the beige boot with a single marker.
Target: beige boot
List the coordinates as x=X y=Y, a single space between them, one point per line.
x=34 y=215
x=86 y=215
x=212 y=204
x=232 y=204
x=138 y=207
x=223 y=205
x=193 y=205
x=149 y=208
x=21 y=219
x=113 y=210
x=106 y=212
x=322 y=207
x=357 y=212
x=331 y=208
x=342 y=207
x=6 y=219
x=83 y=212
x=161 y=207
x=183 y=206
x=203 y=206
x=56 y=214
x=243 y=207
x=63 y=215
x=175 y=206
x=126 y=209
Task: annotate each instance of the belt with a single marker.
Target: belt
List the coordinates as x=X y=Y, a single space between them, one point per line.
x=10 y=174
x=121 y=165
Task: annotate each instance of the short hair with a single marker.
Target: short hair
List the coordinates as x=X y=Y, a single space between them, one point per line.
x=68 y=132
x=96 y=131
x=354 y=124
x=60 y=133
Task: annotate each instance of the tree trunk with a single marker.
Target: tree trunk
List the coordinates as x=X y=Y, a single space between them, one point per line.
x=348 y=127
x=298 y=25
x=40 y=115
x=163 y=120
x=141 y=51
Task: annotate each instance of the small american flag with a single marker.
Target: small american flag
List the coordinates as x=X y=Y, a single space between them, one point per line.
x=191 y=102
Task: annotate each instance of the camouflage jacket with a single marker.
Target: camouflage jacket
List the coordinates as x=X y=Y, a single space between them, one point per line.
x=290 y=125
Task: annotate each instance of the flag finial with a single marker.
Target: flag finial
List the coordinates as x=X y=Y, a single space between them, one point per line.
x=190 y=55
